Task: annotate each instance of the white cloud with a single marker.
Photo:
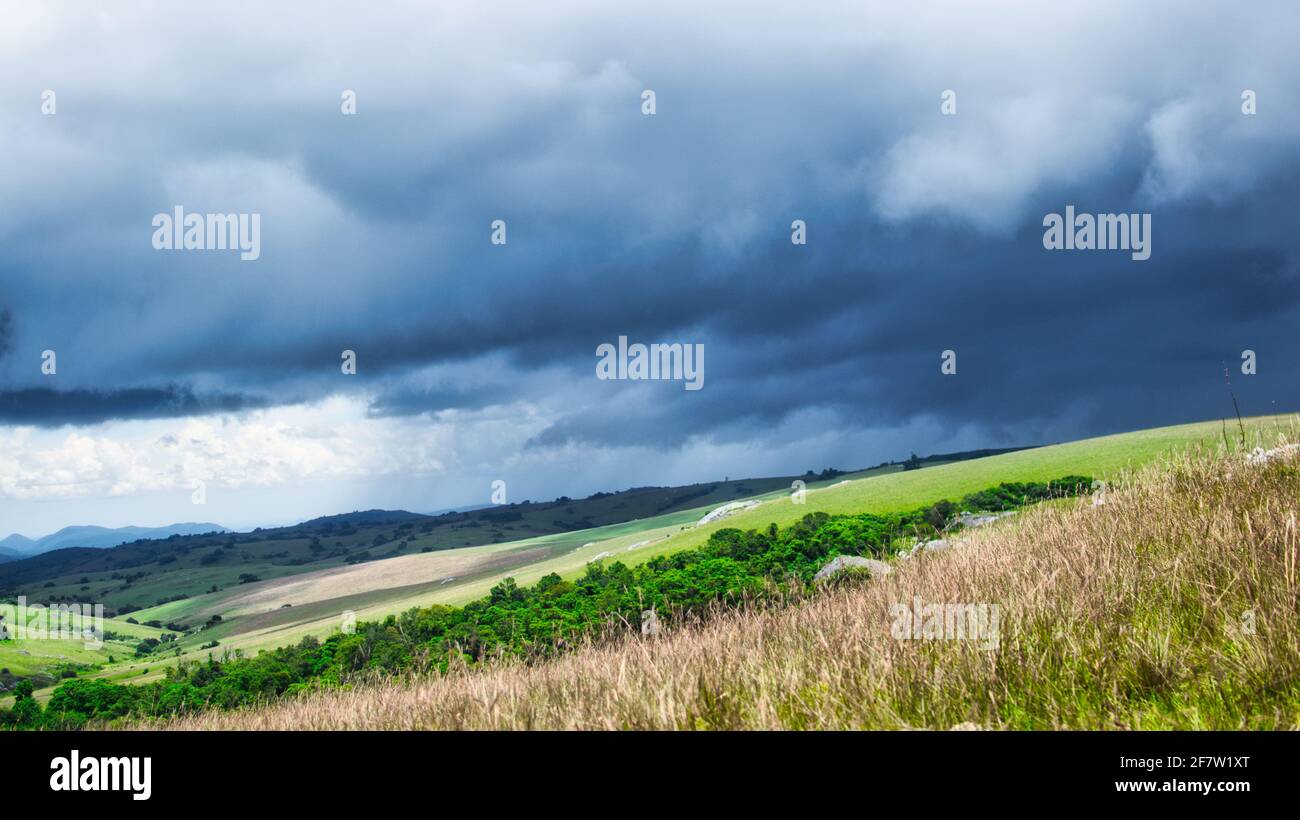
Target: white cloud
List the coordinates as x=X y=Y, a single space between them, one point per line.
x=983 y=164
x=1203 y=146
x=331 y=440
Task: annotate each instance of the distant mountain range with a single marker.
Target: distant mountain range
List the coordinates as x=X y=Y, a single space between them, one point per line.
x=16 y=546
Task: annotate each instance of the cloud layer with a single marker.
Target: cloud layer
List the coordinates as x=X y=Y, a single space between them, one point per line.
x=924 y=230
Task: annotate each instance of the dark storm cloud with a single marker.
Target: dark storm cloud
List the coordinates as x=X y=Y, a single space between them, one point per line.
x=5 y=321
x=408 y=402
x=45 y=407
x=924 y=231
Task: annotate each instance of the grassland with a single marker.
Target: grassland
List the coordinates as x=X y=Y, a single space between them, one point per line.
x=1173 y=605
x=278 y=611
x=46 y=660
x=304 y=590
x=146 y=573
x=275 y=613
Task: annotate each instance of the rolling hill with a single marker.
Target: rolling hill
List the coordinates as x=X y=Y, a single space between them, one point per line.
x=456 y=558
x=151 y=572
x=258 y=618
x=355 y=560
x=1170 y=606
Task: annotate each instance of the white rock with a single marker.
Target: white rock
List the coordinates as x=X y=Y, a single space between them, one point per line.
x=1261 y=456
x=844 y=562
x=967 y=519
x=728 y=510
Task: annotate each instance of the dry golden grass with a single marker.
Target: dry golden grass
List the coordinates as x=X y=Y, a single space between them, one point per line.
x=1134 y=614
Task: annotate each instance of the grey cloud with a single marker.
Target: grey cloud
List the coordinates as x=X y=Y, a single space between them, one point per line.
x=47 y=407
x=6 y=321
x=924 y=230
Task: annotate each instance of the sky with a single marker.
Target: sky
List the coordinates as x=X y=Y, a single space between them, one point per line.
x=476 y=361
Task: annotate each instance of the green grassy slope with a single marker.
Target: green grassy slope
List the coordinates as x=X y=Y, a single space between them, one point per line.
x=44 y=661
x=320 y=582
x=255 y=616
x=146 y=573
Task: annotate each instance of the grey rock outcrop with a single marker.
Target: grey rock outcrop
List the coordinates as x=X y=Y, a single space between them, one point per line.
x=843 y=562
x=968 y=519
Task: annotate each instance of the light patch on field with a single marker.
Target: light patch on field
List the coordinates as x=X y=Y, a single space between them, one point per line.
x=406 y=570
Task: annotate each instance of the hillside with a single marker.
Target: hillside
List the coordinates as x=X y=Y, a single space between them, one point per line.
x=149 y=572
x=355 y=559
x=292 y=600
x=1172 y=604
